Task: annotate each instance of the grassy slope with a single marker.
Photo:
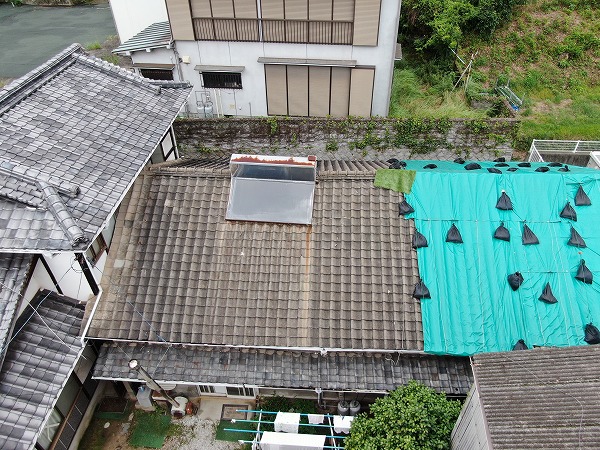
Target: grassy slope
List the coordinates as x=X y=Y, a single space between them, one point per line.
x=550 y=51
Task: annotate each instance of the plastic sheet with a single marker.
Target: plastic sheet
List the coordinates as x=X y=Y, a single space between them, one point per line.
x=472 y=307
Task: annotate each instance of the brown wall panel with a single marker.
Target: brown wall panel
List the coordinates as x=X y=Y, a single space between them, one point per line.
x=319 y=81
x=297 y=80
x=320 y=9
x=361 y=92
x=222 y=8
x=276 y=83
x=296 y=9
x=200 y=8
x=272 y=9
x=180 y=18
x=366 y=22
x=343 y=10
x=245 y=9
x=340 y=91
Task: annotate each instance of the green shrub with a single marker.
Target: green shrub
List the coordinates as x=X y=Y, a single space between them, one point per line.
x=413 y=417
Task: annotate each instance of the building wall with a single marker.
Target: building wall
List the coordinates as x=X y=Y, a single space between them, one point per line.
x=251 y=100
x=132 y=16
x=469 y=433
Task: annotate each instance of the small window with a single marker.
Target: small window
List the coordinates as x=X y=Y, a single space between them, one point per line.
x=157 y=74
x=206 y=389
x=222 y=80
x=240 y=391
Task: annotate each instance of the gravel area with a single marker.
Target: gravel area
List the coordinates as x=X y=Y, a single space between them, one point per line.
x=197 y=434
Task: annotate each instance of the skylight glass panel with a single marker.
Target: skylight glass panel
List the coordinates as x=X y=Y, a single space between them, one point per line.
x=271 y=189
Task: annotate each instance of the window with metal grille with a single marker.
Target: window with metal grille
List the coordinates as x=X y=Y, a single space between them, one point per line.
x=222 y=80
x=157 y=74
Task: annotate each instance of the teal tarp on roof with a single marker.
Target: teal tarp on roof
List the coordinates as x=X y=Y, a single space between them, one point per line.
x=472 y=308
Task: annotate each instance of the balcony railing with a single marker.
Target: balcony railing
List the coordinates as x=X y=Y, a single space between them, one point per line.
x=274 y=30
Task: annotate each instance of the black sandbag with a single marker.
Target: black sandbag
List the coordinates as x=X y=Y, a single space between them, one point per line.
x=504 y=202
x=494 y=170
x=512 y=169
x=501 y=164
x=568 y=212
x=421 y=291
x=524 y=164
x=515 y=280
x=584 y=274
x=459 y=161
x=501 y=159
x=404 y=208
x=554 y=164
x=592 y=334
x=529 y=237
x=472 y=166
x=430 y=166
x=542 y=169
x=502 y=233
x=581 y=198
x=453 y=235
x=547 y=295
x=564 y=169
x=398 y=165
x=520 y=345
x=392 y=160
x=576 y=240
x=419 y=240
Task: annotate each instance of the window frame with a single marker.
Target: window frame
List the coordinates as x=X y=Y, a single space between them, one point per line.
x=222 y=80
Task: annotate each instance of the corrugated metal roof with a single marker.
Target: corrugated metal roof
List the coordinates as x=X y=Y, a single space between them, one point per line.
x=285 y=369
x=157 y=35
x=75 y=123
x=38 y=362
x=541 y=398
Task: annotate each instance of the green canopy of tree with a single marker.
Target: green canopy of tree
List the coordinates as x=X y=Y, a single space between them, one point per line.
x=439 y=24
x=413 y=417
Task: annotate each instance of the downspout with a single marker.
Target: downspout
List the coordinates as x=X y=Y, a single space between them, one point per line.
x=179 y=72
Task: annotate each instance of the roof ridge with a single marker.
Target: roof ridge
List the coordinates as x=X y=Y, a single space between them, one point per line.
x=62 y=215
x=39 y=76
x=32 y=175
x=118 y=72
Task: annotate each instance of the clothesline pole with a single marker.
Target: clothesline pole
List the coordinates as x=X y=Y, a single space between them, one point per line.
x=256 y=431
x=271 y=422
x=275 y=412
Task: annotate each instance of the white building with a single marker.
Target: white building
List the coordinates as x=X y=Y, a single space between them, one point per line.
x=267 y=57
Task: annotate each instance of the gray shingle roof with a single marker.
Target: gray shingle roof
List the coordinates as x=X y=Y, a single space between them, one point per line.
x=285 y=369
x=178 y=272
x=13 y=275
x=38 y=362
x=542 y=398
x=157 y=35
x=75 y=123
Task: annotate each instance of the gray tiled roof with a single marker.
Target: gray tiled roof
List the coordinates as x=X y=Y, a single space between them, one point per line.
x=285 y=369
x=157 y=35
x=13 y=275
x=542 y=398
x=74 y=133
x=178 y=272
x=38 y=362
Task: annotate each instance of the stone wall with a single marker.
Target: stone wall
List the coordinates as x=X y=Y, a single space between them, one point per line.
x=349 y=138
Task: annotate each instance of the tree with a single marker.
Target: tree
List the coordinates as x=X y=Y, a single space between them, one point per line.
x=413 y=417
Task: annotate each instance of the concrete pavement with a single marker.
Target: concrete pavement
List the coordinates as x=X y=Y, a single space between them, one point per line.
x=30 y=35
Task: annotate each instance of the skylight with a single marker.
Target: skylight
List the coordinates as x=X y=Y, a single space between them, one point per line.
x=271 y=189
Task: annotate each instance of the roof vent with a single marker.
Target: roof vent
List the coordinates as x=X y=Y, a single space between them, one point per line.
x=271 y=189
